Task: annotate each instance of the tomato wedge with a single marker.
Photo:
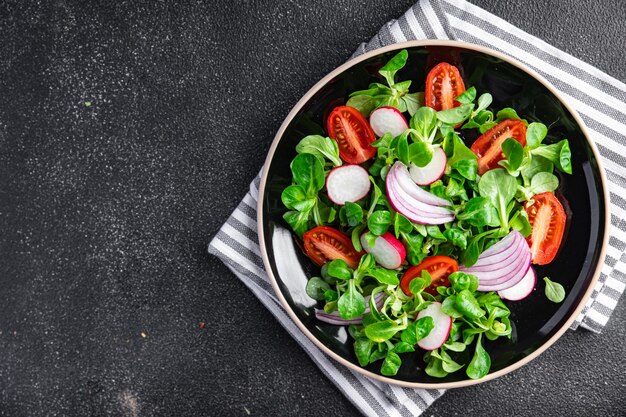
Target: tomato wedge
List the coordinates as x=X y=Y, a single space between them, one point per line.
x=352 y=132
x=488 y=147
x=439 y=267
x=443 y=85
x=547 y=218
x=324 y=244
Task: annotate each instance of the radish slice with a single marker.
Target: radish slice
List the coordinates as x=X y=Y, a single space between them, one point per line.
x=522 y=289
x=432 y=171
x=388 y=251
x=388 y=119
x=335 y=318
x=439 y=334
x=503 y=265
x=347 y=183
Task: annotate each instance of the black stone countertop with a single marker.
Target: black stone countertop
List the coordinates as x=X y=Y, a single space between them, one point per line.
x=128 y=133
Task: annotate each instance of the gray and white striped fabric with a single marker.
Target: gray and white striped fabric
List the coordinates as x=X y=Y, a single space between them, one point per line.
x=600 y=100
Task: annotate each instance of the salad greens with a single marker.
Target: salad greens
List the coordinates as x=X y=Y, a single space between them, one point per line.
x=554 y=291
x=383 y=317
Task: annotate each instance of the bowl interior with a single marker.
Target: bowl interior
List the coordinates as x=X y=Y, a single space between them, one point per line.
x=535 y=318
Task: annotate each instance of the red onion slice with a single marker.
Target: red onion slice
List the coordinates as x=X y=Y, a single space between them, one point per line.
x=400 y=175
x=505 y=265
x=416 y=211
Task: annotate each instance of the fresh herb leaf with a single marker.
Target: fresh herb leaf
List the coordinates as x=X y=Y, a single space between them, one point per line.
x=338 y=268
x=514 y=153
x=420 y=153
x=468 y=306
x=499 y=187
x=434 y=232
x=507 y=113
x=413 y=101
x=480 y=363
x=299 y=221
x=403 y=347
x=355 y=237
x=455 y=115
x=483 y=102
x=457 y=151
x=401 y=224
x=402 y=149
x=468 y=168
x=535 y=133
x=535 y=165
x=558 y=153
x=418 y=330
x=394 y=65
x=362 y=349
x=554 y=291
x=413 y=243
x=391 y=364
x=424 y=124
x=295 y=198
x=461 y=281
x=448 y=364
x=363 y=103
x=521 y=223
x=435 y=368
x=351 y=304
x=378 y=222
x=456 y=237
x=382 y=330
x=479 y=212
x=384 y=276
x=467 y=96
x=542 y=182
x=351 y=214
x=323 y=148
x=448 y=306
x=308 y=172
x=316 y=287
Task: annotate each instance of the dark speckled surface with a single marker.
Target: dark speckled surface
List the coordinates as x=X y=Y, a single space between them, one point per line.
x=106 y=208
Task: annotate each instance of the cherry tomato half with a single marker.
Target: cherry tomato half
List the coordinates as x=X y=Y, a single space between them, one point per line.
x=547 y=218
x=443 y=85
x=352 y=132
x=488 y=147
x=439 y=267
x=324 y=244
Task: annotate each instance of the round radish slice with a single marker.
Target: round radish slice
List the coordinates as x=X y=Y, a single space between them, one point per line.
x=522 y=289
x=439 y=334
x=387 y=250
x=388 y=119
x=347 y=183
x=432 y=171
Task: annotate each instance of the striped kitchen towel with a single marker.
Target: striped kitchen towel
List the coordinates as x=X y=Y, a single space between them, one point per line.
x=600 y=100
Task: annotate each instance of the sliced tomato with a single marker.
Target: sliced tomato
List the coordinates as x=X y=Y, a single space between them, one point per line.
x=547 y=218
x=324 y=244
x=439 y=267
x=352 y=132
x=488 y=147
x=443 y=85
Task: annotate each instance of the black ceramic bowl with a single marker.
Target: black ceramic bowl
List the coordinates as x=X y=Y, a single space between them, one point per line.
x=538 y=322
